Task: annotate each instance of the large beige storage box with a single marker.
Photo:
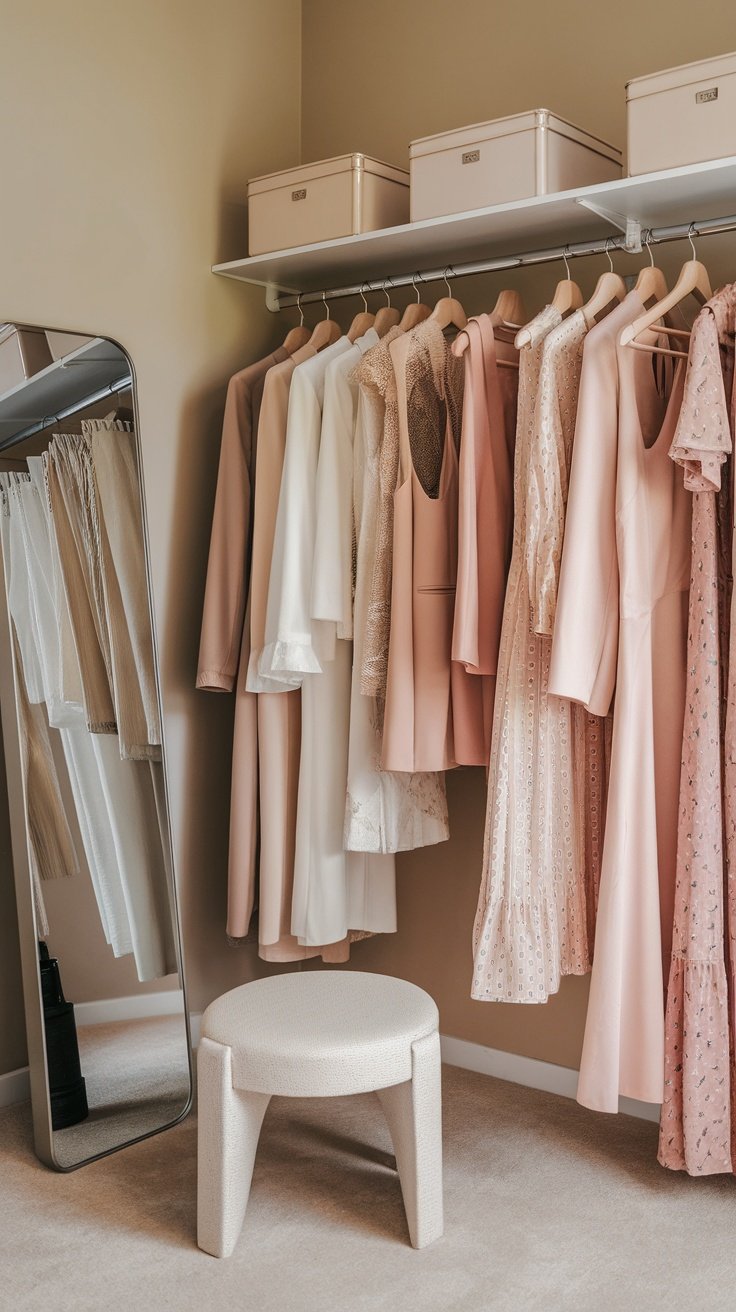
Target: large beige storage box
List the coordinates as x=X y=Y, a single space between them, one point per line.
x=682 y=116
x=23 y=353
x=505 y=160
x=319 y=202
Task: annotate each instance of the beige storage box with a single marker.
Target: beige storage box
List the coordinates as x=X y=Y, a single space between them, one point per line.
x=318 y=202
x=506 y=160
x=682 y=116
x=61 y=344
x=23 y=353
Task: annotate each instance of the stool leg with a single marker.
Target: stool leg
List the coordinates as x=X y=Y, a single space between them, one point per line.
x=414 y=1114
x=229 y=1123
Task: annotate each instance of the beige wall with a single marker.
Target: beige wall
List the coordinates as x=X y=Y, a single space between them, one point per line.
x=127 y=134
x=374 y=77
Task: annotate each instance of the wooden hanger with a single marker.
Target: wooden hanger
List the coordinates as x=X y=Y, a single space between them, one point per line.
x=567 y=298
x=299 y=336
x=448 y=312
x=326 y=331
x=693 y=281
x=651 y=285
x=609 y=291
x=508 y=317
x=513 y=306
x=509 y=312
x=415 y=312
x=387 y=317
x=362 y=321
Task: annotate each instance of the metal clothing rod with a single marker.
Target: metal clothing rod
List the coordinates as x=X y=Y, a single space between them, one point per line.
x=120 y=385
x=653 y=236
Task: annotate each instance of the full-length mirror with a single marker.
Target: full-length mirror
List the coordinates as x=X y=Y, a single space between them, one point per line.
x=108 y=1039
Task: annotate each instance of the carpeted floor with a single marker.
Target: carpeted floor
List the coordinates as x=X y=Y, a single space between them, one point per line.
x=547 y=1206
x=137 y=1078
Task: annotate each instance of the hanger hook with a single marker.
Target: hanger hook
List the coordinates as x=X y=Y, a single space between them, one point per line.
x=446 y=280
x=692 y=229
x=299 y=307
x=324 y=302
x=388 y=298
x=607 y=254
x=362 y=297
x=414 y=277
x=648 y=244
x=567 y=266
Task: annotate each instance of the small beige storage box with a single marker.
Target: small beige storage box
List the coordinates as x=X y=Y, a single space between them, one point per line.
x=682 y=116
x=318 y=202
x=503 y=161
x=23 y=353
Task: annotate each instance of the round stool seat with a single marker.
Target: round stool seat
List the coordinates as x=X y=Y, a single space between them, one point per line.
x=321 y=1033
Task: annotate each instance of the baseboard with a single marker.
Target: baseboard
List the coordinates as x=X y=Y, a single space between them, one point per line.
x=529 y=1072
x=15 y=1086
x=135 y=1007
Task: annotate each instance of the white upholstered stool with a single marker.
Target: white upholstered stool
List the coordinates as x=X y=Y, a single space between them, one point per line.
x=316 y=1034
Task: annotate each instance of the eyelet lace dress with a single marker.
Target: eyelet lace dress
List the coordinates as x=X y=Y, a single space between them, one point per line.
x=543 y=817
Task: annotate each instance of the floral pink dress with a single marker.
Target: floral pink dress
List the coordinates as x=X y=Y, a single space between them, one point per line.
x=696 y=1120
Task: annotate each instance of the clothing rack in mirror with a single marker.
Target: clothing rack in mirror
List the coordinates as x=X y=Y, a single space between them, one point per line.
x=122 y=385
x=83 y=378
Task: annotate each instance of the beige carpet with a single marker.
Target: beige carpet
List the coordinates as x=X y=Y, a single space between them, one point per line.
x=547 y=1207
x=137 y=1078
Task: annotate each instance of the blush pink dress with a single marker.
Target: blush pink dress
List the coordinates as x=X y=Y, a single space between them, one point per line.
x=486 y=504
x=434 y=708
x=696 y=1122
x=622 y=620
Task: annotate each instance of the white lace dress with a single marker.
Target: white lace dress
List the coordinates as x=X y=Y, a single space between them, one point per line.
x=531 y=923
x=385 y=811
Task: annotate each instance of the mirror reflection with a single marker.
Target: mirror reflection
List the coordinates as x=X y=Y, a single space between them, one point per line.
x=107 y=974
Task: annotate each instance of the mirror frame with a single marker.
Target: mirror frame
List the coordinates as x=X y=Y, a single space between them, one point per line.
x=43 y=1132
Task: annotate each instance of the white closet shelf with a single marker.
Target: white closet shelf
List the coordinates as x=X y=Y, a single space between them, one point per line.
x=64 y=385
x=700 y=192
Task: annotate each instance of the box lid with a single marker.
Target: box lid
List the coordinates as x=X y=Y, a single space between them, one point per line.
x=702 y=70
x=323 y=168
x=503 y=127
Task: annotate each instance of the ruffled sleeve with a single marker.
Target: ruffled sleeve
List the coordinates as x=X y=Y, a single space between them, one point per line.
x=702 y=439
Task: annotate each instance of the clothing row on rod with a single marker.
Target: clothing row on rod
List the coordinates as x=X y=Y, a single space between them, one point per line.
x=72 y=545
x=609 y=829
x=443 y=541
